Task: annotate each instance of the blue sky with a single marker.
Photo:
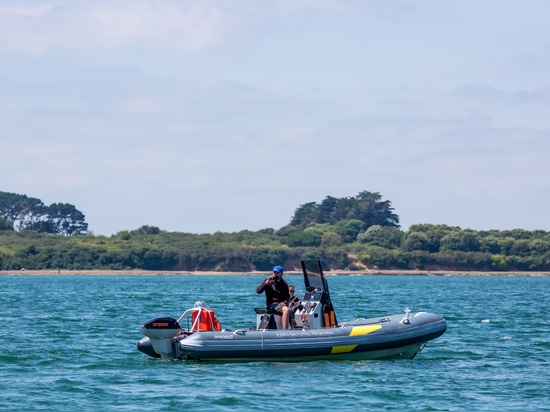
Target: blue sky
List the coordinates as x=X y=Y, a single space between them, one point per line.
x=205 y=116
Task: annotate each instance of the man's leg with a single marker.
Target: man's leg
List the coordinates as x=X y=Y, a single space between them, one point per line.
x=284 y=319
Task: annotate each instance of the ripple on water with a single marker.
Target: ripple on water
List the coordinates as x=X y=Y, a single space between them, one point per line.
x=73 y=347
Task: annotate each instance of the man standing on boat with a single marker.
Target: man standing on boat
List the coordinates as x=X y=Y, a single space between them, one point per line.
x=276 y=294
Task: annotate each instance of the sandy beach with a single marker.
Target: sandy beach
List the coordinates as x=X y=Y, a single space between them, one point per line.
x=138 y=272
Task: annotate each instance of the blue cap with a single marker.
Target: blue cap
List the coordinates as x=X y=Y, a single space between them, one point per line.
x=278 y=269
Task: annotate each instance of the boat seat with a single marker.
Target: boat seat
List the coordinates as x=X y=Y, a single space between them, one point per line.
x=268 y=320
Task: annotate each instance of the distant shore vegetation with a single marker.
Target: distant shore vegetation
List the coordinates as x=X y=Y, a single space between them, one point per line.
x=352 y=233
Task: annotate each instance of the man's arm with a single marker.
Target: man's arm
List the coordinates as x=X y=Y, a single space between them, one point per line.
x=264 y=284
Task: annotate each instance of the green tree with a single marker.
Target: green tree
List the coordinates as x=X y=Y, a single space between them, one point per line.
x=369 y=208
x=304 y=239
x=320 y=228
x=349 y=229
x=5 y=224
x=11 y=206
x=470 y=242
x=517 y=234
x=331 y=239
x=28 y=213
x=304 y=215
x=521 y=248
x=451 y=242
x=539 y=246
x=489 y=244
x=506 y=244
x=66 y=219
x=147 y=230
x=263 y=258
x=22 y=210
x=499 y=262
x=434 y=234
x=416 y=241
x=383 y=236
x=366 y=207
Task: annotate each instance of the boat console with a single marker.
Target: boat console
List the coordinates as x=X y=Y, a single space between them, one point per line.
x=316 y=309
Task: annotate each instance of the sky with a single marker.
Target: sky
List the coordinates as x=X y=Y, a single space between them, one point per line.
x=206 y=116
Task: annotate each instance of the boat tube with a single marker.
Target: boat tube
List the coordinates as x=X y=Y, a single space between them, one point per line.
x=317 y=334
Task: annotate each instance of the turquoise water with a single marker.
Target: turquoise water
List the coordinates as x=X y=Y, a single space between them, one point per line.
x=68 y=343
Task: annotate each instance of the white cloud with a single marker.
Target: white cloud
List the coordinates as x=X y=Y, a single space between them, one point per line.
x=184 y=26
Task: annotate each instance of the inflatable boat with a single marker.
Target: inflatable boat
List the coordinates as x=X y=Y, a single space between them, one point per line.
x=198 y=335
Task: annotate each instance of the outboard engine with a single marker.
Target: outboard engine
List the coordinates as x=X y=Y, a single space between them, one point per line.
x=161 y=332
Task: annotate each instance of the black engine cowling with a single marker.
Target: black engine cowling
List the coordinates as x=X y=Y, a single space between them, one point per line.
x=160 y=332
x=161 y=323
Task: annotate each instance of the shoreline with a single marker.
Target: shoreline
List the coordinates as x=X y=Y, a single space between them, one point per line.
x=377 y=272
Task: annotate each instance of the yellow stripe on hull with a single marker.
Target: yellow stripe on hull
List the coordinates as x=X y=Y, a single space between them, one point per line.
x=343 y=349
x=363 y=330
x=355 y=331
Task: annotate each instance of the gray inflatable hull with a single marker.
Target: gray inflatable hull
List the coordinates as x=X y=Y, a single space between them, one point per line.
x=398 y=336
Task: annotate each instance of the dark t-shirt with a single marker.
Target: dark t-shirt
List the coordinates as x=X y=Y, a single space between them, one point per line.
x=275 y=293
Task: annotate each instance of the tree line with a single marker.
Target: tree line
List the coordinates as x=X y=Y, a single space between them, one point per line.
x=356 y=233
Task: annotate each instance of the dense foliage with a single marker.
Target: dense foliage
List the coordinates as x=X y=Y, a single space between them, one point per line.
x=366 y=207
x=350 y=241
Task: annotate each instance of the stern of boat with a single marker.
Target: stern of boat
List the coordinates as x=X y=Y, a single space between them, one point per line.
x=159 y=340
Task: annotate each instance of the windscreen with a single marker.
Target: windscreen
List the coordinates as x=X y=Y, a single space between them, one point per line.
x=313 y=276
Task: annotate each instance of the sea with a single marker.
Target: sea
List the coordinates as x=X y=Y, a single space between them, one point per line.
x=68 y=343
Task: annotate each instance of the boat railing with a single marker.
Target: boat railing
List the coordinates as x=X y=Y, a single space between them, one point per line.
x=200 y=318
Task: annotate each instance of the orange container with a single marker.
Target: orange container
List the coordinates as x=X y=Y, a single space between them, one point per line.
x=207 y=321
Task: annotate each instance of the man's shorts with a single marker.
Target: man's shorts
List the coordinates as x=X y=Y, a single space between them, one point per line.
x=276 y=308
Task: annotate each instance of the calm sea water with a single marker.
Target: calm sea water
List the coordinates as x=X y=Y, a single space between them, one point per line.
x=68 y=343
